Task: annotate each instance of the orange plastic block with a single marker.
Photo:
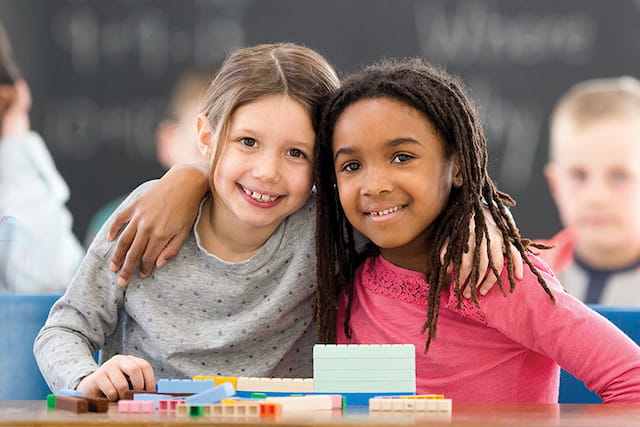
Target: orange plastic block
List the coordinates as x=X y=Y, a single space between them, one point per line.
x=270 y=409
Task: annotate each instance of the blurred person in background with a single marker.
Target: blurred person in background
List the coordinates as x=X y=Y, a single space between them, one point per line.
x=175 y=135
x=594 y=177
x=38 y=251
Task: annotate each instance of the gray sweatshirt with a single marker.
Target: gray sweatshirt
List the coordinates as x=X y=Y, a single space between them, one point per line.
x=198 y=315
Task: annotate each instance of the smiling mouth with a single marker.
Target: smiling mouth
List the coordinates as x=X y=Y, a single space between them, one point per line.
x=259 y=197
x=385 y=212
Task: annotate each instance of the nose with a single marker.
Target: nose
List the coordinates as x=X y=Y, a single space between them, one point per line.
x=265 y=168
x=375 y=182
x=596 y=190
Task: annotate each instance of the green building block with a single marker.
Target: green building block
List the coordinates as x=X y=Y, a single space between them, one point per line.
x=51 y=401
x=196 y=410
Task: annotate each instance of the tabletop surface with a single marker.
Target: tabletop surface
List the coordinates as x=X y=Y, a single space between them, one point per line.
x=34 y=413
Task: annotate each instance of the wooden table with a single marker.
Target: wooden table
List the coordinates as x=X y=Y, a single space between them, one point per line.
x=34 y=413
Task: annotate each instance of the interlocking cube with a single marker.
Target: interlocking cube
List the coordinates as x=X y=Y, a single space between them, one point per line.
x=364 y=368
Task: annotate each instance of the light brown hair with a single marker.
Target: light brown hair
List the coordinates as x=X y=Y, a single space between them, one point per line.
x=596 y=99
x=251 y=73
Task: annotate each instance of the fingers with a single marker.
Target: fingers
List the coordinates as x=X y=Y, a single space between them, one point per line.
x=106 y=386
x=516 y=258
x=151 y=253
x=483 y=266
x=172 y=248
x=467 y=261
x=122 y=247
x=123 y=373
x=123 y=217
x=489 y=281
x=132 y=259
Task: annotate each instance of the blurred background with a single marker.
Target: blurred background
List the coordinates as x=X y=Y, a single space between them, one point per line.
x=101 y=72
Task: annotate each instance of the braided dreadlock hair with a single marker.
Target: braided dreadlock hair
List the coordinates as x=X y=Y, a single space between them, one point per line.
x=442 y=98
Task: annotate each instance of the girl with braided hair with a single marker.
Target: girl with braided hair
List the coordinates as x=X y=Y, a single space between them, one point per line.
x=402 y=159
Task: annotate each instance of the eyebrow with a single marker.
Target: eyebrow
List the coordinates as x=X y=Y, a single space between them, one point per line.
x=392 y=143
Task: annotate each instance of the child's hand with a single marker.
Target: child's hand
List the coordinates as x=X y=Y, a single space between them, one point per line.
x=113 y=377
x=159 y=222
x=488 y=279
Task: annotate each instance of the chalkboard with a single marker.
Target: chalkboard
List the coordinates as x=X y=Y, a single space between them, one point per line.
x=101 y=71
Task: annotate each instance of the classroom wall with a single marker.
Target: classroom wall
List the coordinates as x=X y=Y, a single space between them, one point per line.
x=101 y=71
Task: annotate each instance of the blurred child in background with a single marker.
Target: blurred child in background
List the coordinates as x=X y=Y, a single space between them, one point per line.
x=594 y=177
x=39 y=251
x=175 y=135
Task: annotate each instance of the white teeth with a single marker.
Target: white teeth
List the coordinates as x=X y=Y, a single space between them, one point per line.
x=259 y=197
x=386 y=211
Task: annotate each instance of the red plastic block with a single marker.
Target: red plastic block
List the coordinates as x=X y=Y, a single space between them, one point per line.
x=270 y=409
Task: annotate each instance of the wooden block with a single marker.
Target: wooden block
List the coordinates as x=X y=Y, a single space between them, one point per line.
x=72 y=403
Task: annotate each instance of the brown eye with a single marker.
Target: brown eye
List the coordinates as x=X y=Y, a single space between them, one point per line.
x=247 y=141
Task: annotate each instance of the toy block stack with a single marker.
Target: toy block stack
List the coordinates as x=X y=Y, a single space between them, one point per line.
x=374 y=368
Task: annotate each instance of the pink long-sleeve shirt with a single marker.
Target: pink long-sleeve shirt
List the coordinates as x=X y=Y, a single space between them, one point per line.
x=507 y=350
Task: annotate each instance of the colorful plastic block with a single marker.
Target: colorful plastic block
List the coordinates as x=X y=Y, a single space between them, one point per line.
x=219 y=380
x=96 y=404
x=168 y=405
x=236 y=410
x=154 y=397
x=362 y=375
x=410 y=405
x=136 y=406
x=213 y=395
x=364 y=351
x=282 y=385
x=184 y=386
x=270 y=409
x=72 y=403
x=303 y=403
x=365 y=386
x=51 y=401
x=68 y=392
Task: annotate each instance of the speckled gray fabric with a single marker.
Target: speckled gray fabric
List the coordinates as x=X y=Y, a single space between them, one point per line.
x=198 y=315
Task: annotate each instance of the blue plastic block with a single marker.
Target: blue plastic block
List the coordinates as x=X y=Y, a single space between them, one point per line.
x=184 y=386
x=67 y=392
x=214 y=395
x=152 y=396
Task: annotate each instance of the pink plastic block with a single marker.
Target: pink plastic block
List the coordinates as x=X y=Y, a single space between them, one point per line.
x=168 y=405
x=136 y=406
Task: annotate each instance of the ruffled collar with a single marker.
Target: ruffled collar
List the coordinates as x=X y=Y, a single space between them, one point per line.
x=384 y=278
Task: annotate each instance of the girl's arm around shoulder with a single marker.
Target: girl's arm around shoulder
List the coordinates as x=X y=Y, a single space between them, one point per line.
x=577 y=338
x=154 y=226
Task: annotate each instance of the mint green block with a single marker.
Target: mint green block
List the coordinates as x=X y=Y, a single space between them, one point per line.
x=337 y=387
x=324 y=364
x=364 y=375
x=364 y=351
